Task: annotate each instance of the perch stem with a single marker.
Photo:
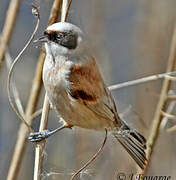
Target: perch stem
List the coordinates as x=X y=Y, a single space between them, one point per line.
x=39 y=149
x=161 y=105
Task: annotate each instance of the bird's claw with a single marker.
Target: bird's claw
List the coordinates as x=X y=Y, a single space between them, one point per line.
x=38 y=136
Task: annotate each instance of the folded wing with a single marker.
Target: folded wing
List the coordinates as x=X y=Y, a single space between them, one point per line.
x=88 y=88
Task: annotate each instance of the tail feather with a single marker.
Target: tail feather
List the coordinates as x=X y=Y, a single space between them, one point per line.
x=133 y=154
x=138 y=151
x=133 y=142
x=139 y=137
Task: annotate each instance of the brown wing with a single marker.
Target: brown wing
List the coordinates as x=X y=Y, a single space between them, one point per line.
x=88 y=88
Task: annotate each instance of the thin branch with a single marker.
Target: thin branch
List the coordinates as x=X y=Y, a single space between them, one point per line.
x=11 y=70
x=142 y=80
x=9 y=26
x=8 y=61
x=173 y=128
x=36 y=113
x=92 y=159
x=171 y=98
x=168 y=115
x=65 y=4
x=169 y=110
x=161 y=104
x=68 y=7
x=39 y=148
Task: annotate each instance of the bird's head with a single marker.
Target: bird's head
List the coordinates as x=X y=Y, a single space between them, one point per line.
x=62 y=39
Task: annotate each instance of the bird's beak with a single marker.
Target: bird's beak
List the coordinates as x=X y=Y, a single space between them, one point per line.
x=41 y=39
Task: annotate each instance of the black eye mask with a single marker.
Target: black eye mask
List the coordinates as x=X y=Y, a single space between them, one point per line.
x=66 y=39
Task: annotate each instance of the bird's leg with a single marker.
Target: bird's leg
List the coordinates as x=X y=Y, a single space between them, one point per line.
x=39 y=136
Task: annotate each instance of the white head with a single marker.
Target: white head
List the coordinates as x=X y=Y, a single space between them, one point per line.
x=63 y=39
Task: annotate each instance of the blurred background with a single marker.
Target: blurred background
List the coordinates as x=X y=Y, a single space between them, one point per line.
x=132 y=39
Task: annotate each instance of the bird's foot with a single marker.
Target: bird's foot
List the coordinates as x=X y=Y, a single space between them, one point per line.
x=39 y=136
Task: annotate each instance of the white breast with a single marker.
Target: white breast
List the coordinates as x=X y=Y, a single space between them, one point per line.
x=55 y=78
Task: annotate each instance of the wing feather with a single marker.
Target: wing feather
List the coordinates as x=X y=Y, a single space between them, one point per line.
x=87 y=87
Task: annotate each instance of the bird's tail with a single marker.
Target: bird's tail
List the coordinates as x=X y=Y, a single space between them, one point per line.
x=133 y=142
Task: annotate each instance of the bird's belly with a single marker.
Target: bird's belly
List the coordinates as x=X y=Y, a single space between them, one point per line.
x=75 y=113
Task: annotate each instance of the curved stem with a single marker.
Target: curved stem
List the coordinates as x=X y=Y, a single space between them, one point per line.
x=92 y=159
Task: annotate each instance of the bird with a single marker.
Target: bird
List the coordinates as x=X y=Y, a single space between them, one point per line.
x=77 y=91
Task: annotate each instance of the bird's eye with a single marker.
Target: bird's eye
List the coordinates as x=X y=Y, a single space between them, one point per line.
x=66 y=39
x=59 y=35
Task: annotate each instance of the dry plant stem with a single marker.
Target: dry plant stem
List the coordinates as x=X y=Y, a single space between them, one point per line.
x=8 y=60
x=169 y=130
x=9 y=26
x=171 y=98
x=168 y=115
x=39 y=148
x=55 y=11
x=31 y=105
x=36 y=113
x=10 y=75
x=68 y=7
x=92 y=159
x=65 y=4
x=16 y=160
x=142 y=80
x=161 y=104
x=170 y=109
